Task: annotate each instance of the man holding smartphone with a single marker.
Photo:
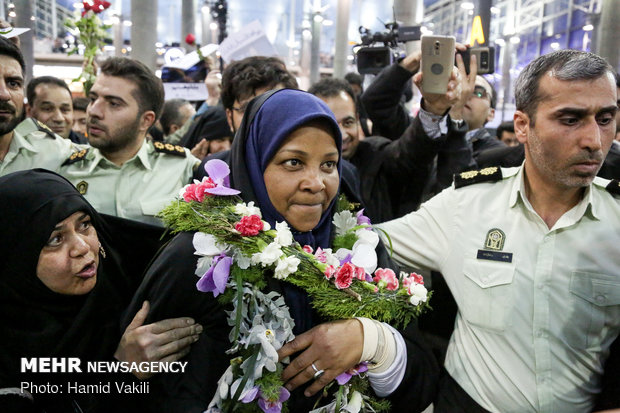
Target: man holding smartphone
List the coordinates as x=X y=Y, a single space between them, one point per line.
x=530 y=253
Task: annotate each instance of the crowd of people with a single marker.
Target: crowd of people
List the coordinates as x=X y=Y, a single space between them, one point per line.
x=516 y=232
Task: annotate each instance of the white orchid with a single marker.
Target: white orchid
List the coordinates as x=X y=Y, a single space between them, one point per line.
x=418 y=293
x=207 y=247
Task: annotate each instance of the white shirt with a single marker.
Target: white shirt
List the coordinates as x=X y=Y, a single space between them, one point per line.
x=531 y=334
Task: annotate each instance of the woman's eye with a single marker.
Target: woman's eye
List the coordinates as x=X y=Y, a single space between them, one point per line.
x=84 y=225
x=54 y=241
x=292 y=162
x=330 y=164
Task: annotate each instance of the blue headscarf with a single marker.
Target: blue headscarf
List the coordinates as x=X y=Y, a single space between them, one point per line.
x=268 y=121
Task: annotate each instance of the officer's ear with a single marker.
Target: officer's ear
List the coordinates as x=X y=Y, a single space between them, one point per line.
x=522 y=125
x=28 y=110
x=147 y=119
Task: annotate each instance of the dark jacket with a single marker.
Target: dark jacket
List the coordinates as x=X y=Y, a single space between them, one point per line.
x=396 y=176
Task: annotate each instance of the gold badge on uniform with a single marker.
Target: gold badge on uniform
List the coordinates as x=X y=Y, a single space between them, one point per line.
x=493 y=246
x=82 y=187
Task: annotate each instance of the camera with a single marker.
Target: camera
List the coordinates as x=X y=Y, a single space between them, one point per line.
x=372 y=57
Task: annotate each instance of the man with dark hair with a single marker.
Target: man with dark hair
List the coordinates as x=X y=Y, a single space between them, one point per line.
x=530 y=253
x=174 y=115
x=506 y=133
x=245 y=79
x=49 y=102
x=123 y=174
x=473 y=110
x=79 y=115
x=29 y=143
x=386 y=167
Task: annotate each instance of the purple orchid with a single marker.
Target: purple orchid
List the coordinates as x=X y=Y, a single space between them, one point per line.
x=216 y=277
x=362 y=219
x=346 y=376
x=218 y=171
x=276 y=406
x=266 y=405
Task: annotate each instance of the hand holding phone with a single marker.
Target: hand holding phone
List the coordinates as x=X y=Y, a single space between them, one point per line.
x=437 y=62
x=485 y=58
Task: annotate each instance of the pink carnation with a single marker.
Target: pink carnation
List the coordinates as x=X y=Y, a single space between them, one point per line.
x=197 y=192
x=386 y=278
x=329 y=271
x=360 y=273
x=344 y=276
x=308 y=249
x=321 y=255
x=413 y=278
x=249 y=226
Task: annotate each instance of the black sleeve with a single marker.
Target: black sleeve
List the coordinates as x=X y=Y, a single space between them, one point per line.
x=170 y=287
x=609 y=397
x=454 y=156
x=382 y=102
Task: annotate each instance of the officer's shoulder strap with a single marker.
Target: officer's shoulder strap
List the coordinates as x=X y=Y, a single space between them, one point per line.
x=170 y=149
x=75 y=157
x=490 y=174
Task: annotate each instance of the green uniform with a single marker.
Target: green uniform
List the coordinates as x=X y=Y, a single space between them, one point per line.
x=34 y=145
x=138 y=189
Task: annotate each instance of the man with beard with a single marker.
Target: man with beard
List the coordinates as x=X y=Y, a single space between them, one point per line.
x=530 y=253
x=28 y=144
x=123 y=174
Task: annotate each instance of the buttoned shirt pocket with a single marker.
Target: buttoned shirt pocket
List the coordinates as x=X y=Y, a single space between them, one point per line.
x=596 y=311
x=487 y=293
x=152 y=207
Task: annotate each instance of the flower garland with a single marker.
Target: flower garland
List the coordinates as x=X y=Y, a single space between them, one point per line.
x=92 y=34
x=238 y=251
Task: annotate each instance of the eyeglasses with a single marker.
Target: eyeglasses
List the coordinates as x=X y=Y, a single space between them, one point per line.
x=241 y=108
x=480 y=92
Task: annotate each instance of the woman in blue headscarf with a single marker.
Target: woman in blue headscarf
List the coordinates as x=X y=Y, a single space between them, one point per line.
x=286 y=158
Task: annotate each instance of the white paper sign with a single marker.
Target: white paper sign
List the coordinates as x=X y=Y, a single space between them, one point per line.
x=9 y=32
x=192 y=58
x=187 y=91
x=251 y=40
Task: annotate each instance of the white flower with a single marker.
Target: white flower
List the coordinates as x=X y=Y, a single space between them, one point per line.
x=240 y=259
x=286 y=266
x=367 y=237
x=365 y=256
x=247 y=209
x=344 y=221
x=284 y=236
x=266 y=226
x=268 y=256
x=207 y=246
x=418 y=293
x=354 y=404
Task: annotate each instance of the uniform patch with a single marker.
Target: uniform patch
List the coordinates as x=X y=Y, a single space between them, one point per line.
x=75 y=157
x=490 y=174
x=170 y=149
x=613 y=187
x=82 y=187
x=493 y=246
x=44 y=128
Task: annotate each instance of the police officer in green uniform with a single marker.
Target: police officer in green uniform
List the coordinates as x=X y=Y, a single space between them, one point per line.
x=28 y=144
x=123 y=174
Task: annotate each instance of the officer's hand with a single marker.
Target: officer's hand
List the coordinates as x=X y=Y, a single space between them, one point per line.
x=201 y=149
x=164 y=341
x=333 y=347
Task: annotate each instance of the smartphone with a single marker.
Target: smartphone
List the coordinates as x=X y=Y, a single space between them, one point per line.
x=485 y=58
x=437 y=63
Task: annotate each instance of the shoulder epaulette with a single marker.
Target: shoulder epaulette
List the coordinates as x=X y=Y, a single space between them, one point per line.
x=44 y=128
x=613 y=187
x=75 y=157
x=170 y=149
x=490 y=174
